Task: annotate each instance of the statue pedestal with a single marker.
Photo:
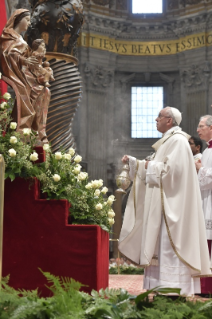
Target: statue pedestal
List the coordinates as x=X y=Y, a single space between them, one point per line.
x=37 y=235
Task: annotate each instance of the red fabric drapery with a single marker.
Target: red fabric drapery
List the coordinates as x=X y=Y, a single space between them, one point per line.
x=37 y=235
x=3 y=20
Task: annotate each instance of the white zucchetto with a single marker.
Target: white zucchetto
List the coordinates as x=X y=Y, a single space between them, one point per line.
x=177 y=115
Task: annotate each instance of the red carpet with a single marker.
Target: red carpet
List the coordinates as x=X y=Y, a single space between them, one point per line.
x=37 y=235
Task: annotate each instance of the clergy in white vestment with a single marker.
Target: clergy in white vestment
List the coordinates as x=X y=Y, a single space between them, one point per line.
x=204 y=168
x=163 y=227
x=196 y=146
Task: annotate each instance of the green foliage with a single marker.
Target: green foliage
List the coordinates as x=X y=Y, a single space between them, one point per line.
x=68 y=302
x=126 y=270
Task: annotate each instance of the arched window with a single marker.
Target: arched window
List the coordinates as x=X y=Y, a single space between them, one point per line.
x=147 y=6
x=146 y=103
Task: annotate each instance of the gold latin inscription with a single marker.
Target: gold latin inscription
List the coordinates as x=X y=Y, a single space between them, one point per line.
x=143 y=48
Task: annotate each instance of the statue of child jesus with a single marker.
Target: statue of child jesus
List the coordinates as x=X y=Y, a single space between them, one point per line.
x=43 y=74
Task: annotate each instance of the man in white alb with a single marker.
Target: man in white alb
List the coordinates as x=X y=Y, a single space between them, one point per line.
x=163 y=227
x=204 y=169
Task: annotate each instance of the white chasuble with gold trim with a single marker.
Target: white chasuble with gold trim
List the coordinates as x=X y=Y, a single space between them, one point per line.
x=163 y=227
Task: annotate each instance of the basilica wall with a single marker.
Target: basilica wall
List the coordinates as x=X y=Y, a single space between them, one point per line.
x=117 y=50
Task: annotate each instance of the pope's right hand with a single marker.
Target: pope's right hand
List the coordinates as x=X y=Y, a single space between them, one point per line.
x=125 y=159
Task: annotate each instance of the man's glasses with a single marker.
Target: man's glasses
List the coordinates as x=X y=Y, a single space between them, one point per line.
x=200 y=126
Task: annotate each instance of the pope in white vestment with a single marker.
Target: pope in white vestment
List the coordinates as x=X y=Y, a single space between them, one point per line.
x=163 y=227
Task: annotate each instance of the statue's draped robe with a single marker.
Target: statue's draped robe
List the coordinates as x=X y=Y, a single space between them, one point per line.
x=33 y=98
x=205 y=183
x=163 y=227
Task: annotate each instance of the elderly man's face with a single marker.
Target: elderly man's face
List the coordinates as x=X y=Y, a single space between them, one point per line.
x=204 y=131
x=164 y=122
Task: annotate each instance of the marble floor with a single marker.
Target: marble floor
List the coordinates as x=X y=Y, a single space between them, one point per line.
x=134 y=284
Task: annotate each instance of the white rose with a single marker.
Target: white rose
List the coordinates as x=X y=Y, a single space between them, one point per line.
x=71 y=151
x=88 y=186
x=46 y=147
x=78 y=159
x=13 y=125
x=111 y=221
x=3 y=105
x=98 y=206
x=56 y=177
x=67 y=156
x=110 y=202
x=110 y=199
x=77 y=170
x=95 y=184
x=13 y=140
x=104 y=190
x=111 y=213
x=27 y=131
x=97 y=192
x=34 y=157
x=58 y=155
x=82 y=176
x=100 y=183
x=6 y=96
x=12 y=152
x=0 y=75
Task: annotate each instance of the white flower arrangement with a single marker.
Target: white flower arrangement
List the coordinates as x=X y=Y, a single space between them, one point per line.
x=111 y=199
x=111 y=213
x=46 y=147
x=78 y=159
x=7 y=96
x=97 y=192
x=98 y=206
x=82 y=176
x=26 y=131
x=34 y=156
x=60 y=176
x=88 y=186
x=58 y=156
x=13 y=140
x=67 y=157
x=3 y=105
x=111 y=221
x=13 y=125
x=56 y=177
x=71 y=151
x=12 y=152
x=104 y=190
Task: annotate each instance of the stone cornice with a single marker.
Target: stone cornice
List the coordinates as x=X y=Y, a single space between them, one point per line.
x=176 y=8
x=167 y=29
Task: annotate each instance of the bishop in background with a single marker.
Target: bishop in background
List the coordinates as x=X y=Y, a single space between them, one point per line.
x=163 y=228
